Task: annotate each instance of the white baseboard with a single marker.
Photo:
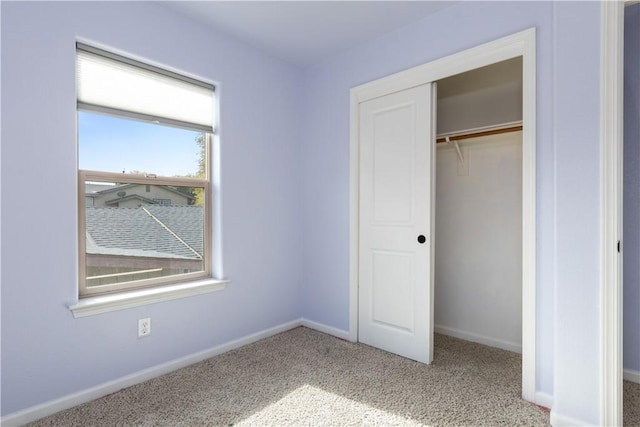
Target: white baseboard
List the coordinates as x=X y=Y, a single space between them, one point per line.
x=630 y=375
x=330 y=330
x=480 y=339
x=543 y=399
x=48 y=408
x=559 y=420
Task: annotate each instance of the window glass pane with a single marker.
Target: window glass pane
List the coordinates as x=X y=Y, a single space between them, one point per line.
x=133 y=234
x=112 y=144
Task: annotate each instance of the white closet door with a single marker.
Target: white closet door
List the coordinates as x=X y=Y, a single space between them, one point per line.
x=396 y=151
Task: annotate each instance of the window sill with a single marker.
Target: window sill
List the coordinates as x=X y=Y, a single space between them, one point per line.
x=113 y=302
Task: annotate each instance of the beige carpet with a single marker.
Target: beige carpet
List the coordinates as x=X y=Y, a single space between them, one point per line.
x=303 y=377
x=631 y=406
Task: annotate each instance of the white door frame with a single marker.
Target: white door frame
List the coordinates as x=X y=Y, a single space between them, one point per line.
x=519 y=44
x=611 y=147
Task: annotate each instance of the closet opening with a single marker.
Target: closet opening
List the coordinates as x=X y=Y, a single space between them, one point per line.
x=478 y=230
x=393 y=202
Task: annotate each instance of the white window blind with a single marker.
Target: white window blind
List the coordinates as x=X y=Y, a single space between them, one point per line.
x=113 y=84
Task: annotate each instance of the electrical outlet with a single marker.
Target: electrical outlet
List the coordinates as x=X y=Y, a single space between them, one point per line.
x=144 y=327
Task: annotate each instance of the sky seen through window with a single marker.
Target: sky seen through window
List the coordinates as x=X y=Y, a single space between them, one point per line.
x=112 y=144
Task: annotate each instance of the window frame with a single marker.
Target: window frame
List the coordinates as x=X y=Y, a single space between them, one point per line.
x=84 y=176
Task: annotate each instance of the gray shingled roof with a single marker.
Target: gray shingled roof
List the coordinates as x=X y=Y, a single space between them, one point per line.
x=153 y=231
x=129 y=197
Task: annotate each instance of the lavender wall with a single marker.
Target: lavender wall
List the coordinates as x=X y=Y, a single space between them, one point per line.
x=567 y=168
x=632 y=188
x=576 y=116
x=46 y=353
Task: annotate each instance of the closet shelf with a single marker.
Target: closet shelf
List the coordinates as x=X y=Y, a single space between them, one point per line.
x=478 y=132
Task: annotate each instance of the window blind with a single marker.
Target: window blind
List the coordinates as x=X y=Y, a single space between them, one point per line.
x=112 y=84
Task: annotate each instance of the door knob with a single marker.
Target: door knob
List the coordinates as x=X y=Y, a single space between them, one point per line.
x=421 y=239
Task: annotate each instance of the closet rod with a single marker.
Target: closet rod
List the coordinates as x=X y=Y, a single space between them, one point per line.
x=475 y=133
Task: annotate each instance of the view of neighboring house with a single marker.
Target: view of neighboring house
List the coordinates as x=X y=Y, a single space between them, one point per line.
x=138 y=231
x=134 y=195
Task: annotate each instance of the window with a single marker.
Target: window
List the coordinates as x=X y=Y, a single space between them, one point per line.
x=162 y=201
x=144 y=137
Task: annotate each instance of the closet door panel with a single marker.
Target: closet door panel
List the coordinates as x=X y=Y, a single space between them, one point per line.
x=396 y=144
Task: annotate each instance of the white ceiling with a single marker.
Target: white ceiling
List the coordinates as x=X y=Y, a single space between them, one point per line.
x=304 y=32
